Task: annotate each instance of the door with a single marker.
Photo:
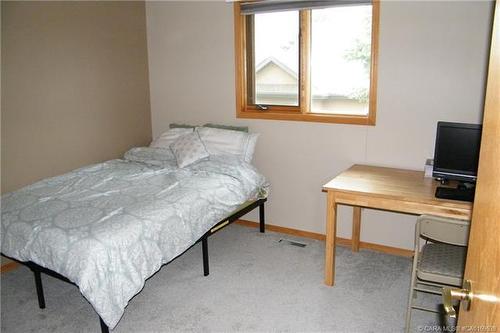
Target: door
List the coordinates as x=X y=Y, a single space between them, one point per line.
x=483 y=258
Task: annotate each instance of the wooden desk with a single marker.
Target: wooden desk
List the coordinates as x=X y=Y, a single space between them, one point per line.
x=397 y=190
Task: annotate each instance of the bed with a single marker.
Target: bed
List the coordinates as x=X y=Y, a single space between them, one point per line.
x=108 y=227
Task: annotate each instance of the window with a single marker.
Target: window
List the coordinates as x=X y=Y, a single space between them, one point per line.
x=307 y=60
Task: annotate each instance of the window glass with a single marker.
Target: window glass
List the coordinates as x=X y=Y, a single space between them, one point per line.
x=341 y=59
x=276 y=59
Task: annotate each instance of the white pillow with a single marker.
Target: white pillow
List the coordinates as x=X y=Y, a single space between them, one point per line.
x=188 y=149
x=228 y=142
x=169 y=137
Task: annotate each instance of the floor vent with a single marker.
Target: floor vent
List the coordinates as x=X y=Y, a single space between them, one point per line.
x=291 y=242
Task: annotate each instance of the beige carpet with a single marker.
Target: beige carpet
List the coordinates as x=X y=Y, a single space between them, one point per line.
x=256 y=284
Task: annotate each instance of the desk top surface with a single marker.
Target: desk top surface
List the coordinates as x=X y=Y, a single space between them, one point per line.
x=399 y=184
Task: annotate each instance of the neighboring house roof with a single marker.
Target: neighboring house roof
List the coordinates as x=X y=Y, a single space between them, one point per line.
x=278 y=63
x=286 y=89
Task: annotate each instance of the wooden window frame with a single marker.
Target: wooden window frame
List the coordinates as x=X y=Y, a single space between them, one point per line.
x=301 y=112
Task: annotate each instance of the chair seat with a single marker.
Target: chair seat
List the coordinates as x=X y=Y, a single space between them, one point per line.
x=442 y=263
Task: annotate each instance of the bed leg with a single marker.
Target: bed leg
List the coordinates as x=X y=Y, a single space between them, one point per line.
x=204 y=247
x=104 y=327
x=262 y=218
x=39 y=289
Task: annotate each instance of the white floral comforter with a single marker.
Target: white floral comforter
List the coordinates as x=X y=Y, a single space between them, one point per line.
x=108 y=227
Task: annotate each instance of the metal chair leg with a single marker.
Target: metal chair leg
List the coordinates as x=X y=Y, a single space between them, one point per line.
x=262 y=218
x=412 y=293
x=39 y=289
x=204 y=247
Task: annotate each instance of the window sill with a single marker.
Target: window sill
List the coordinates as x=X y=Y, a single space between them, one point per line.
x=311 y=117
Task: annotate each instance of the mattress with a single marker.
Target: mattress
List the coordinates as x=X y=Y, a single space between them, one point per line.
x=109 y=226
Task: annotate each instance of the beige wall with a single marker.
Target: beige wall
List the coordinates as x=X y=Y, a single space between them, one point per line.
x=431 y=67
x=75 y=86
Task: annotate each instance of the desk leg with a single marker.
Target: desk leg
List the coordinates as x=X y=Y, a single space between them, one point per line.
x=356 y=228
x=331 y=233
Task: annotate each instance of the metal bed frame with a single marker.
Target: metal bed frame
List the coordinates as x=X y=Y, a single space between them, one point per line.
x=37 y=269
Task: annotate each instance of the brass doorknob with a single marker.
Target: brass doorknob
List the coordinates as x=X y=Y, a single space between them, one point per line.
x=456 y=294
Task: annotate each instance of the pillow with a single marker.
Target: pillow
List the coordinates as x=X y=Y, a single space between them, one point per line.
x=228 y=127
x=228 y=142
x=162 y=157
x=174 y=125
x=188 y=149
x=169 y=137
